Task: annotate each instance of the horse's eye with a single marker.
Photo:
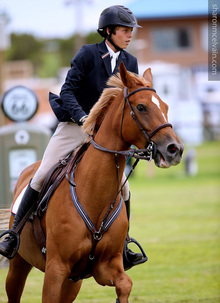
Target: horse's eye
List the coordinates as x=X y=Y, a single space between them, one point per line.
x=141 y=108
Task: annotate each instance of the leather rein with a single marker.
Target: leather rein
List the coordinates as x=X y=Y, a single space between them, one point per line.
x=147 y=153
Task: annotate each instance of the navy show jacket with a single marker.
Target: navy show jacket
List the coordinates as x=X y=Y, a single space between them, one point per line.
x=85 y=81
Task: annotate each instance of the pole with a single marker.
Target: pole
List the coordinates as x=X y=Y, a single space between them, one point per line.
x=79 y=24
x=4 y=44
x=2 y=79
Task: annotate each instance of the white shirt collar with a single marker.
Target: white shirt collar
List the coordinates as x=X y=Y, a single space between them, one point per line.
x=111 y=52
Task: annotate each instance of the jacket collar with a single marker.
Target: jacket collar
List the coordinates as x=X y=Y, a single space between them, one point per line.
x=106 y=57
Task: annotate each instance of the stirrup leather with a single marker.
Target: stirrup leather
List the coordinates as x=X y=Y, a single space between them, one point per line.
x=127 y=263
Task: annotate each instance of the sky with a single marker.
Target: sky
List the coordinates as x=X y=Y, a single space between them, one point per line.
x=55 y=18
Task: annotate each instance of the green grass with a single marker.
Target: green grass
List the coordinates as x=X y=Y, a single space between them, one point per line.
x=176 y=218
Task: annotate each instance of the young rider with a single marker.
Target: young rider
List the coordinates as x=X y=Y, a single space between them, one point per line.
x=90 y=69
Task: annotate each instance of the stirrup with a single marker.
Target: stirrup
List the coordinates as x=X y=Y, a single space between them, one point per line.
x=16 y=236
x=128 y=264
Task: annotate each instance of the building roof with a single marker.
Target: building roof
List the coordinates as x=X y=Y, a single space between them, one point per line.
x=148 y=9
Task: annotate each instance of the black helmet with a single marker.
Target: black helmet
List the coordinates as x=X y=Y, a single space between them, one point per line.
x=116 y=15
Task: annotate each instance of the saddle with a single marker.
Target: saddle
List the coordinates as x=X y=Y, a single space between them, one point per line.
x=53 y=179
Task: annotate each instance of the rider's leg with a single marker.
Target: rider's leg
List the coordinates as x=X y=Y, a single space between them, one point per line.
x=10 y=242
x=132 y=257
x=67 y=137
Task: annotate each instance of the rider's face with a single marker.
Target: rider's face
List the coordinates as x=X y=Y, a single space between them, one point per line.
x=122 y=36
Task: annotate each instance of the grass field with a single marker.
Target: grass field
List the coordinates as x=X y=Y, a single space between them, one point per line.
x=176 y=218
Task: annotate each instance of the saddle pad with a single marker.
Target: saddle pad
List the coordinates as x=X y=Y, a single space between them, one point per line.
x=17 y=202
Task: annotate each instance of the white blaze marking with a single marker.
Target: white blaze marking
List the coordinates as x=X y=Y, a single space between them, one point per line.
x=155 y=101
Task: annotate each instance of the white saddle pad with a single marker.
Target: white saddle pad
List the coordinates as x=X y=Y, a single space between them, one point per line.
x=17 y=202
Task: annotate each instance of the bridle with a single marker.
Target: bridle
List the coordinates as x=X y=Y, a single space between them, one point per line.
x=147 y=153
x=151 y=147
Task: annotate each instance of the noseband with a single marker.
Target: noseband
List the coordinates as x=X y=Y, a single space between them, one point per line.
x=150 y=151
x=151 y=147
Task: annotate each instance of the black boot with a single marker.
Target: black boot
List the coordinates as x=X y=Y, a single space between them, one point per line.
x=129 y=257
x=9 y=244
x=130 y=254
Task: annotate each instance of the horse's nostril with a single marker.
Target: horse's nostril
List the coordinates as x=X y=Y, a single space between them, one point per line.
x=173 y=149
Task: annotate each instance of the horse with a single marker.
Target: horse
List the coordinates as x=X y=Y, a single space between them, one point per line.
x=128 y=113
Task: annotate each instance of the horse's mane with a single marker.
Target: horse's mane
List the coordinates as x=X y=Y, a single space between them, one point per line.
x=98 y=111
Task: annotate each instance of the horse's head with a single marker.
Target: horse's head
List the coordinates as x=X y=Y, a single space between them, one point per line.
x=145 y=120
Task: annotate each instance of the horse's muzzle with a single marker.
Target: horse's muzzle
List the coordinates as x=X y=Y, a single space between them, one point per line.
x=169 y=155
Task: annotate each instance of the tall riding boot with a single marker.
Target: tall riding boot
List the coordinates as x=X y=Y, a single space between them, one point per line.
x=131 y=256
x=9 y=244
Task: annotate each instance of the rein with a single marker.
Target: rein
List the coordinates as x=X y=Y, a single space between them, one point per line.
x=143 y=154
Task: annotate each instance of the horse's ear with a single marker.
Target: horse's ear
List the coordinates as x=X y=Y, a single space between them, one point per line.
x=126 y=78
x=148 y=75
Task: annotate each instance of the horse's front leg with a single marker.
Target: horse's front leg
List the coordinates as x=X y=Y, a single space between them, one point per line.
x=112 y=273
x=123 y=286
x=70 y=291
x=55 y=275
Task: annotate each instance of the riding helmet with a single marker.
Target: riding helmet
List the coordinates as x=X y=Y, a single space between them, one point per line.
x=116 y=15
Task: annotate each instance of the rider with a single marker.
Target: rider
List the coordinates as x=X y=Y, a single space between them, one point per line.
x=90 y=69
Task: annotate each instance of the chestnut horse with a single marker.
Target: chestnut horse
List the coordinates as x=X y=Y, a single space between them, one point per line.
x=129 y=112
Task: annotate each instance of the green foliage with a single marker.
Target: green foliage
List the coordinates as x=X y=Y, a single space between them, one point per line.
x=93 y=37
x=47 y=56
x=176 y=218
x=50 y=64
x=24 y=47
x=66 y=50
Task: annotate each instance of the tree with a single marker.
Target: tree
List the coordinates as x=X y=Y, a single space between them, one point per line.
x=47 y=56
